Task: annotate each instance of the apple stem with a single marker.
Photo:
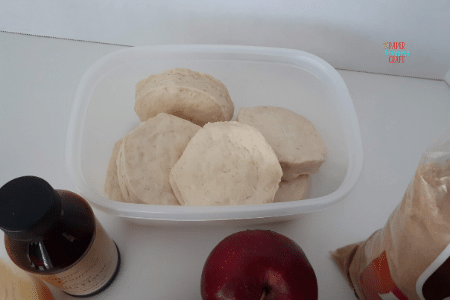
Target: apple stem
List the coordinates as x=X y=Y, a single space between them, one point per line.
x=263 y=296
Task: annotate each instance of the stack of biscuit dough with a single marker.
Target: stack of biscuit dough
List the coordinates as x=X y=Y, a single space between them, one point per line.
x=297 y=144
x=187 y=151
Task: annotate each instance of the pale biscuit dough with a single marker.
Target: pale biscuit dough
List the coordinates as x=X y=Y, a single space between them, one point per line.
x=127 y=193
x=112 y=188
x=296 y=189
x=197 y=97
x=296 y=142
x=226 y=163
x=149 y=153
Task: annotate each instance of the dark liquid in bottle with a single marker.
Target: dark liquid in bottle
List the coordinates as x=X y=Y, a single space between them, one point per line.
x=64 y=245
x=55 y=235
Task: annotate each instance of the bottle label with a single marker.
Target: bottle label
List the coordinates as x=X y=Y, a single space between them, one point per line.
x=377 y=283
x=93 y=271
x=433 y=284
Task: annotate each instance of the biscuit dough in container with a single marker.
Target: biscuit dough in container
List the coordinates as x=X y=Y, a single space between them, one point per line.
x=103 y=113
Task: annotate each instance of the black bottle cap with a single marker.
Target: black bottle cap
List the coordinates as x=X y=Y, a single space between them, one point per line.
x=29 y=207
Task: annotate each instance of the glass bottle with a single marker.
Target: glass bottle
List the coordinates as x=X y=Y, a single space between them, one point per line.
x=54 y=235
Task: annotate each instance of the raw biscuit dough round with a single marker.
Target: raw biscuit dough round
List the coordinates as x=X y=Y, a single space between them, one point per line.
x=197 y=97
x=124 y=186
x=295 y=189
x=112 y=187
x=149 y=152
x=295 y=140
x=226 y=163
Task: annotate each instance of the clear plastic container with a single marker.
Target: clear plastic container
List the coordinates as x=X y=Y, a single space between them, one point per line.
x=103 y=112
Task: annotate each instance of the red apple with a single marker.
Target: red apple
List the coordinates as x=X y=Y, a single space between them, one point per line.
x=258 y=265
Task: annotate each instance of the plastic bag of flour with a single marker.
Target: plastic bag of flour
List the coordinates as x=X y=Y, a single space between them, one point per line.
x=410 y=257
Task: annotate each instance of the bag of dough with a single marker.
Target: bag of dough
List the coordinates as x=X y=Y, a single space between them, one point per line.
x=410 y=257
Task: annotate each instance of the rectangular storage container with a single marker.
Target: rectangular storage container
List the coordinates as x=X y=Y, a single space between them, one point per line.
x=103 y=113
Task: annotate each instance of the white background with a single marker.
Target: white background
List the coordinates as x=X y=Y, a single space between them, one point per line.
x=348 y=34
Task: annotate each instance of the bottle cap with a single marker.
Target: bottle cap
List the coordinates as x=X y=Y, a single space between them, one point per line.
x=29 y=207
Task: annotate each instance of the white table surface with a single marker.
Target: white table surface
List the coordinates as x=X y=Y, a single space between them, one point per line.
x=398 y=116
